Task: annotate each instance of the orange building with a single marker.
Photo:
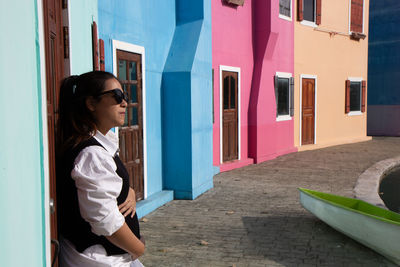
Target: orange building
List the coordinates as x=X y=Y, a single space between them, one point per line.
x=330 y=70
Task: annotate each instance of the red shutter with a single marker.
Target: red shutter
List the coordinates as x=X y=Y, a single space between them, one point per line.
x=95 y=47
x=347 y=106
x=356 y=16
x=319 y=8
x=363 y=96
x=102 y=61
x=300 y=10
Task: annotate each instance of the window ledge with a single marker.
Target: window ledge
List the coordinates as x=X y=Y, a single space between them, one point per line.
x=354 y=113
x=284 y=118
x=309 y=23
x=357 y=36
x=285 y=17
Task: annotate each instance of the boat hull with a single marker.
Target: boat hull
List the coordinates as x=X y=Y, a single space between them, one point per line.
x=380 y=235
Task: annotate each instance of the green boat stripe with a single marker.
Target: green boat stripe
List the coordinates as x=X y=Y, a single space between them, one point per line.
x=352 y=205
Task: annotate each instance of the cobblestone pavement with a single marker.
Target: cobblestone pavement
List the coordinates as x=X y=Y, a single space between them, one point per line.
x=252 y=216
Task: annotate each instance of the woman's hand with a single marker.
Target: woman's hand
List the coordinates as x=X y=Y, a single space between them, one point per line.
x=129 y=206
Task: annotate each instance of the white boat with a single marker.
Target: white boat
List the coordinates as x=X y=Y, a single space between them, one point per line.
x=374 y=227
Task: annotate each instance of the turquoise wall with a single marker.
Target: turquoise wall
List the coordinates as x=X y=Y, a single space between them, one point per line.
x=21 y=157
x=81 y=15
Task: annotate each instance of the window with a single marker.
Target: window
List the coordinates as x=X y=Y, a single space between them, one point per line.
x=285 y=10
x=284 y=96
x=309 y=12
x=356 y=16
x=355 y=96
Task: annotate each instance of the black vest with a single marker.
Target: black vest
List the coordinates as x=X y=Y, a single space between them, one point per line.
x=71 y=225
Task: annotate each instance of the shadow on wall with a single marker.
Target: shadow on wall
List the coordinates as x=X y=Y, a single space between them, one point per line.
x=291 y=240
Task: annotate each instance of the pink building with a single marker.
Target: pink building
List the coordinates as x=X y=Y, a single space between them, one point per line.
x=252 y=47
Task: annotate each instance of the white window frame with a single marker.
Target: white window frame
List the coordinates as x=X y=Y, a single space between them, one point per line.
x=315 y=77
x=310 y=23
x=358 y=112
x=284 y=117
x=350 y=32
x=132 y=48
x=286 y=17
x=221 y=110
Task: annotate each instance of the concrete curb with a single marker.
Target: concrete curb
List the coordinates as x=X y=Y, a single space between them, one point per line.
x=367 y=185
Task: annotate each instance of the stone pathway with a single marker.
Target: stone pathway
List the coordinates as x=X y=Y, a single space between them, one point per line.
x=252 y=216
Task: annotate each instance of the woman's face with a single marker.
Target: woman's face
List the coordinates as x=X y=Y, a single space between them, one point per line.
x=107 y=112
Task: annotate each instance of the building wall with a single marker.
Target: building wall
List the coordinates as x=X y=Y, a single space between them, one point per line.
x=186 y=93
x=81 y=14
x=253 y=38
x=384 y=68
x=176 y=37
x=332 y=58
x=232 y=46
x=21 y=159
x=149 y=24
x=274 y=53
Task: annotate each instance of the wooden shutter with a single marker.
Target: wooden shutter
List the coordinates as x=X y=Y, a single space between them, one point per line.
x=276 y=93
x=300 y=10
x=347 y=106
x=95 y=43
x=356 y=16
x=102 y=61
x=291 y=92
x=318 y=13
x=363 y=96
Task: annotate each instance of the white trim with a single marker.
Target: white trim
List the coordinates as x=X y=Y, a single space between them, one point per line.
x=138 y=50
x=291 y=14
x=286 y=75
x=285 y=17
x=350 y=17
x=233 y=69
x=355 y=79
x=45 y=138
x=308 y=23
x=306 y=76
x=284 y=118
x=354 y=113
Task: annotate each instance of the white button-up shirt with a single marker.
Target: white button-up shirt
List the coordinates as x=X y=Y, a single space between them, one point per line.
x=98 y=187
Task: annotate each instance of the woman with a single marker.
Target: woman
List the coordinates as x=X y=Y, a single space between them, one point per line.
x=97 y=221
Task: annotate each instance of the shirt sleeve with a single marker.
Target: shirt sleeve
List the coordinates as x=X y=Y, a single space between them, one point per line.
x=98 y=187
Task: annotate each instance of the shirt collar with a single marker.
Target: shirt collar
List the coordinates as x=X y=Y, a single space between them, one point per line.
x=108 y=144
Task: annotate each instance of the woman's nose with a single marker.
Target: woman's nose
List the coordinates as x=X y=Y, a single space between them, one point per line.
x=124 y=103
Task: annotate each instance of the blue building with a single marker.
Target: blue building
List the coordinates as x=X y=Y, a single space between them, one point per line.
x=161 y=51
x=384 y=68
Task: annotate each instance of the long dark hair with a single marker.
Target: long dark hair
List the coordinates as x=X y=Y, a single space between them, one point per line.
x=75 y=121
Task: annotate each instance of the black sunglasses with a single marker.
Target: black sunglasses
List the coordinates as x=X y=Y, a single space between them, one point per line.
x=118 y=95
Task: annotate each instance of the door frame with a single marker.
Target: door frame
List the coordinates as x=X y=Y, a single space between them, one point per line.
x=315 y=78
x=44 y=134
x=232 y=69
x=132 y=48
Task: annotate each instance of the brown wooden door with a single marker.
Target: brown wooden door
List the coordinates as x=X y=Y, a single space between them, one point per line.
x=54 y=57
x=308 y=111
x=230 y=115
x=131 y=133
